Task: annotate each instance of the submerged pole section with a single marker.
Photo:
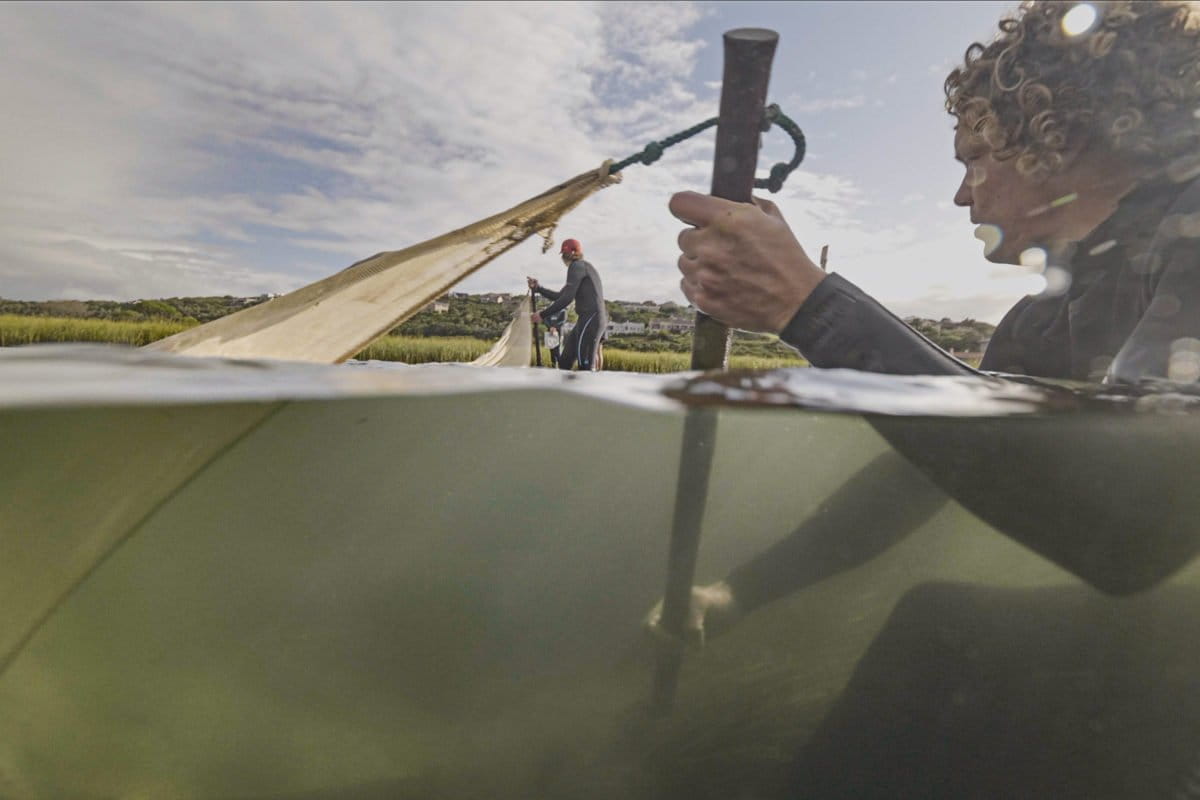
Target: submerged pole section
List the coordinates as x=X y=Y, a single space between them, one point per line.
x=748 y=56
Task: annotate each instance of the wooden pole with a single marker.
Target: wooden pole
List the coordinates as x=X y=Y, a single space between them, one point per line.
x=537 y=345
x=748 y=55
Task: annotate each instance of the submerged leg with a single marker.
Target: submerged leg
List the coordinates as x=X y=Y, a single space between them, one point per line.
x=978 y=691
x=876 y=508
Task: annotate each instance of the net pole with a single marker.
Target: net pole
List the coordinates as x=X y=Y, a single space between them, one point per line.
x=747 y=71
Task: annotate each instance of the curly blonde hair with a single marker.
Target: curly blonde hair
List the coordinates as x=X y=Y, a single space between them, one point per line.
x=1130 y=83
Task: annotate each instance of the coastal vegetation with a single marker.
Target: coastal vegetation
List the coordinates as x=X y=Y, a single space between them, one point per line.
x=458 y=328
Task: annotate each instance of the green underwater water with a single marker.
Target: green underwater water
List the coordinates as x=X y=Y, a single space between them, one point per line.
x=440 y=594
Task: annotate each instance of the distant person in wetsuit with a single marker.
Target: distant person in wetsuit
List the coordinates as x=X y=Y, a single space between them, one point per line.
x=583 y=287
x=1081 y=143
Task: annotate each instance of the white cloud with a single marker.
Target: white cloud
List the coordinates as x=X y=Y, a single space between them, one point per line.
x=352 y=128
x=182 y=149
x=799 y=106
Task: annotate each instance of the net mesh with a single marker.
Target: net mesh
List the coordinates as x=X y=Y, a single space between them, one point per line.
x=514 y=348
x=331 y=320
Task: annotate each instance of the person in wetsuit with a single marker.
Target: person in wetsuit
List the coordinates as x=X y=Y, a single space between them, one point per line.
x=583 y=287
x=1085 y=146
x=1105 y=182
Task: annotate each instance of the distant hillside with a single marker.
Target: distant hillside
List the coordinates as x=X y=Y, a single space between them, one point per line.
x=963 y=336
x=185 y=309
x=484 y=316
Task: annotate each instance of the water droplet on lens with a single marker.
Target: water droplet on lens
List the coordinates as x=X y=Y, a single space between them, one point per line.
x=1186 y=344
x=1058 y=280
x=1037 y=284
x=1079 y=20
x=1171 y=226
x=991 y=236
x=1184 y=168
x=1189 y=226
x=1165 y=305
x=1183 y=366
x=1033 y=258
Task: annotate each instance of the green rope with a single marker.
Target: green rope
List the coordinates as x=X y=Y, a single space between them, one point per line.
x=772 y=116
x=653 y=151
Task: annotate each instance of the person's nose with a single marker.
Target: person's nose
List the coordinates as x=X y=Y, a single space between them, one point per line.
x=963 y=196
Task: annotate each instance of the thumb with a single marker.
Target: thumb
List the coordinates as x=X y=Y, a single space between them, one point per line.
x=768 y=207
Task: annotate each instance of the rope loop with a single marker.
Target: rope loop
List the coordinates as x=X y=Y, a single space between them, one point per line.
x=779 y=172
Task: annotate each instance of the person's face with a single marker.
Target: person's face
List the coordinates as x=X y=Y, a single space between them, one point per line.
x=1014 y=212
x=567 y=258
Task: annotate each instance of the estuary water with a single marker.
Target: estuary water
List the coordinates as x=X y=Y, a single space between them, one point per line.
x=246 y=579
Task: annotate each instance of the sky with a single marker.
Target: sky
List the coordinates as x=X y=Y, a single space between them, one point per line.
x=178 y=149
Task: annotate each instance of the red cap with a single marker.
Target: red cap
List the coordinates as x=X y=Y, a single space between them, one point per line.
x=571 y=246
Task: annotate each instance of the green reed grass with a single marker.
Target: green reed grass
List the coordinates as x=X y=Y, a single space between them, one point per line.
x=20 y=330
x=633 y=361
x=425 y=349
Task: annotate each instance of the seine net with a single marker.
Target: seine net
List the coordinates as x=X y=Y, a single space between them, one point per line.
x=331 y=320
x=515 y=345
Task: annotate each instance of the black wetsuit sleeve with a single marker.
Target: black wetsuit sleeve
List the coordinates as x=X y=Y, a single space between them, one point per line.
x=841 y=326
x=550 y=294
x=1172 y=319
x=575 y=275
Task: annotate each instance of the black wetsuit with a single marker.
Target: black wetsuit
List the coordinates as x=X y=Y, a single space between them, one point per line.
x=1127 y=302
x=1126 y=305
x=583 y=287
x=1134 y=293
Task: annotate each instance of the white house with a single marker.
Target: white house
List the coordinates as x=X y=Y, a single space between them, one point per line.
x=676 y=325
x=625 y=328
